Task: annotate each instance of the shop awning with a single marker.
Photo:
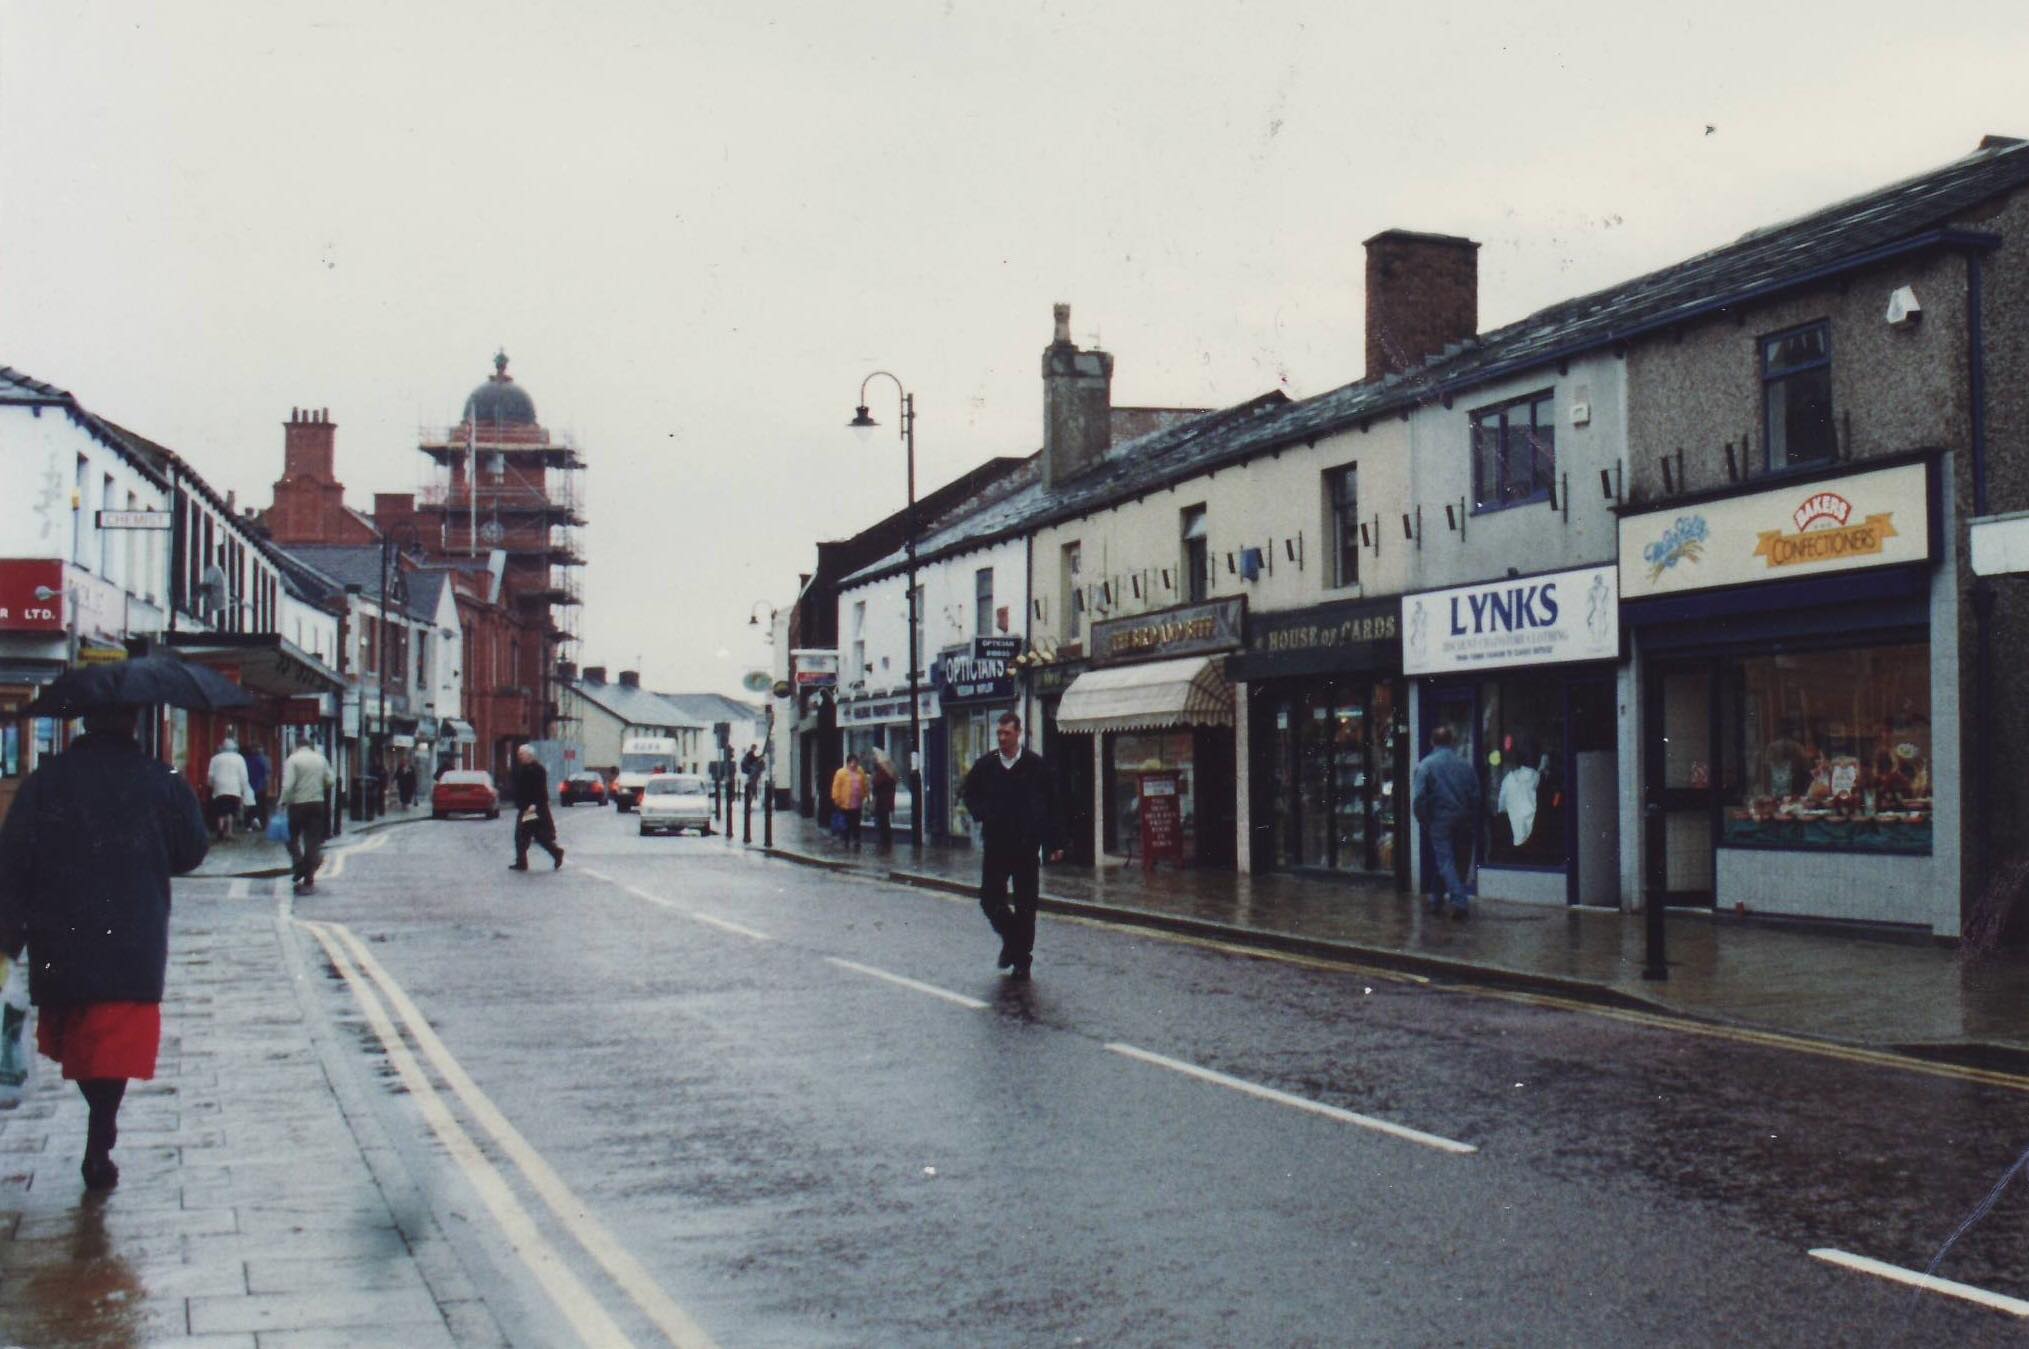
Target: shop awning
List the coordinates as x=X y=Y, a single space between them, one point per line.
x=267 y=664
x=1189 y=691
x=453 y=731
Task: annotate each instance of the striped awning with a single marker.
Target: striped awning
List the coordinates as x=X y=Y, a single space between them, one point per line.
x=1190 y=691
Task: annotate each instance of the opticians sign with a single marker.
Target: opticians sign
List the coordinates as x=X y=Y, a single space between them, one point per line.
x=1854 y=521
x=1530 y=620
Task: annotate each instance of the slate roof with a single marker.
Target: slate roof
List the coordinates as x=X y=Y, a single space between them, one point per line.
x=16 y=387
x=426 y=591
x=707 y=708
x=1916 y=212
x=635 y=706
x=344 y=564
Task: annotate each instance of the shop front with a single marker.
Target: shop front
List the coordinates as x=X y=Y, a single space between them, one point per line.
x=1328 y=726
x=289 y=687
x=1525 y=674
x=1158 y=698
x=975 y=685
x=881 y=722
x=1793 y=643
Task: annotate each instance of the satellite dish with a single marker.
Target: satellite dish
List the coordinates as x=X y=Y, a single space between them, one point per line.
x=757 y=681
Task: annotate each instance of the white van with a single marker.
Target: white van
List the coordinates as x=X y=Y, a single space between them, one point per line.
x=641 y=759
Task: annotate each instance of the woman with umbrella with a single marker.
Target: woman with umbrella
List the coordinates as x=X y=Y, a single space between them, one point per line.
x=86 y=854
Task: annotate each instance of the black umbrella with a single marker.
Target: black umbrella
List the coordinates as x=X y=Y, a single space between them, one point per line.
x=142 y=682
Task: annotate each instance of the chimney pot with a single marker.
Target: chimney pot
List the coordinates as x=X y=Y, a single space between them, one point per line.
x=595 y=674
x=1063 y=315
x=1077 y=405
x=630 y=679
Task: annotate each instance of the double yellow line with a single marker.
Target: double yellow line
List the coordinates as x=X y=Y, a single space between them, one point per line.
x=578 y=1305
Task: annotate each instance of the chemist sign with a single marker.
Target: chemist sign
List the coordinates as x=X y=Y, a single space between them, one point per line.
x=1529 y=620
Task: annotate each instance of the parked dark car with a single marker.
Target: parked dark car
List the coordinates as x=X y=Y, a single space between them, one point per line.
x=464 y=791
x=585 y=786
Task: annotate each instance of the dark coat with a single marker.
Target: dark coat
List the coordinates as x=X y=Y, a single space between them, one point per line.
x=1017 y=807
x=530 y=786
x=1444 y=789
x=86 y=855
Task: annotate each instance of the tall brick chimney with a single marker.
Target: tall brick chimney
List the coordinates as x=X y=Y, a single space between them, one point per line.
x=308 y=445
x=1077 y=405
x=1422 y=295
x=394 y=511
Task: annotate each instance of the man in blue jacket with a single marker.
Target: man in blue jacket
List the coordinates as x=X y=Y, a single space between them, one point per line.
x=1444 y=793
x=1011 y=794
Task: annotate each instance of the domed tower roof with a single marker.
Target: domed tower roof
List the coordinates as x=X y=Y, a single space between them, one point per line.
x=500 y=401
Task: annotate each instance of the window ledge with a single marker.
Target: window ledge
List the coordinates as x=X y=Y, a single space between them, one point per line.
x=1495 y=508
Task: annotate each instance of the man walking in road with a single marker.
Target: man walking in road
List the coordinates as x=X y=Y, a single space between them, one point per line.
x=532 y=820
x=306 y=788
x=1012 y=795
x=1444 y=794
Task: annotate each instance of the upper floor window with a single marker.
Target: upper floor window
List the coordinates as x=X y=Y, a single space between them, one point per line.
x=1796 y=396
x=1342 y=510
x=1072 y=602
x=859 y=640
x=1197 y=559
x=982 y=601
x=1514 y=452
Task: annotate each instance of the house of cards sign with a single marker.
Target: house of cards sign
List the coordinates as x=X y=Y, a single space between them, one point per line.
x=1529 y=620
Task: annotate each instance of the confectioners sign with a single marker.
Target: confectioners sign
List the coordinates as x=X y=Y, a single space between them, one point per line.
x=1530 y=620
x=1857 y=520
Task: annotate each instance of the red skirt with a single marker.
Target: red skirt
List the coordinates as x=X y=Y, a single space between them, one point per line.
x=101 y=1039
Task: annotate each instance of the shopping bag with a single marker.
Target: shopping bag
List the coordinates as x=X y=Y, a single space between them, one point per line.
x=278 y=828
x=16 y=1054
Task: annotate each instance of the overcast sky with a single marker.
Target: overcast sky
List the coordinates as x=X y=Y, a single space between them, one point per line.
x=695 y=227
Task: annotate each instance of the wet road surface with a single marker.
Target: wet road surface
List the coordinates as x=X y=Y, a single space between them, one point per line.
x=807 y=1110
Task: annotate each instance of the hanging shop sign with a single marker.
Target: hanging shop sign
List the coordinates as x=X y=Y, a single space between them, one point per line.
x=1853 y=521
x=1187 y=630
x=978 y=673
x=31 y=595
x=812 y=668
x=1529 y=620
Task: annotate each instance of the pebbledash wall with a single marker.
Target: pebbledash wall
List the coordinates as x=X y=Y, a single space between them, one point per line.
x=1897 y=391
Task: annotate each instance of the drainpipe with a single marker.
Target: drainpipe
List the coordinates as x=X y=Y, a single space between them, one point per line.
x=1984 y=854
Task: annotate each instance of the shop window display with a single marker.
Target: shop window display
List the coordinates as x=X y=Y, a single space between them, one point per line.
x=1830 y=749
x=1522 y=771
x=1336 y=754
x=1138 y=752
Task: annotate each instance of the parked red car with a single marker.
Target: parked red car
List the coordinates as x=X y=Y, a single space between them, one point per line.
x=464 y=791
x=585 y=786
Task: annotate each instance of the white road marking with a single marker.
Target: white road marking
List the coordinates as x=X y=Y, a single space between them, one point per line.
x=725 y=924
x=934 y=991
x=1298 y=1102
x=618 y=1262
x=335 y=858
x=590 y=1320
x=1929 y=1283
x=237 y=890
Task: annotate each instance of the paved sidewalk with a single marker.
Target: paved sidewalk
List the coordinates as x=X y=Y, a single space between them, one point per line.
x=249 y=853
x=1833 y=984
x=258 y=1197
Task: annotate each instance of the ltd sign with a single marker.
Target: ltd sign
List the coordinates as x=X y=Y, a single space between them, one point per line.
x=1532 y=620
x=31 y=595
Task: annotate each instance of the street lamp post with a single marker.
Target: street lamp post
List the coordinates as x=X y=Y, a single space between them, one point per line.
x=865 y=424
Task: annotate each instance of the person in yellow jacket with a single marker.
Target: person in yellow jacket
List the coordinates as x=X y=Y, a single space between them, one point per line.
x=849 y=793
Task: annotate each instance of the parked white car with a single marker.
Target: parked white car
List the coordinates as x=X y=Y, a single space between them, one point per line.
x=673 y=802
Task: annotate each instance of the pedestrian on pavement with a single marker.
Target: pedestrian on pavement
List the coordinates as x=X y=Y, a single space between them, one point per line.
x=405 y=782
x=229 y=788
x=849 y=794
x=258 y=773
x=307 y=780
x=884 y=800
x=1444 y=794
x=1014 y=798
x=752 y=764
x=86 y=854
x=532 y=820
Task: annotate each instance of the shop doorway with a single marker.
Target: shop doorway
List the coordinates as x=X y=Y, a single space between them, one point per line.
x=1457 y=709
x=1679 y=793
x=1069 y=758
